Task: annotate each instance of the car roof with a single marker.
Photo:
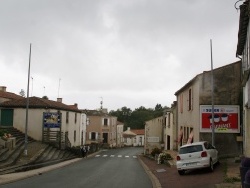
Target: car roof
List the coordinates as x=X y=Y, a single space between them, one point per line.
x=194 y=143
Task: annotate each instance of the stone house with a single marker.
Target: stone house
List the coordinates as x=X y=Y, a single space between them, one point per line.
x=154 y=134
x=243 y=52
x=171 y=127
x=102 y=128
x=119 y=131
x=194 y=98
x=48 y=121
x=137 y=139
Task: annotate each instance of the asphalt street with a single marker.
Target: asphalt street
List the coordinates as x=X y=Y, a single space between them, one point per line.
x=107 y=169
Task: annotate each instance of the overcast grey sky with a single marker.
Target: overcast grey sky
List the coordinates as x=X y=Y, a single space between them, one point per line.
x=127 y=52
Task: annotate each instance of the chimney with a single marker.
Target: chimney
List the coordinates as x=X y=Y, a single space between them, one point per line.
x=59 y=100
x=76 y=105
x=3 y=88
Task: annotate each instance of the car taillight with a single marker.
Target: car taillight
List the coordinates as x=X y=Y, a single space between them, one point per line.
x=204 y=154
x=178 y=158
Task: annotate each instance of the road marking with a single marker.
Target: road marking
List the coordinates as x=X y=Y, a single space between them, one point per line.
x=120 y=156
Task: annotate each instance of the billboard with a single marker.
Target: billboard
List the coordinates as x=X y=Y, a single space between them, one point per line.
x=226 y=118
x=51 y=120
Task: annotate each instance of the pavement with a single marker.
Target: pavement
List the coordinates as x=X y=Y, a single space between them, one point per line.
x=232 y=172
x=231 y=176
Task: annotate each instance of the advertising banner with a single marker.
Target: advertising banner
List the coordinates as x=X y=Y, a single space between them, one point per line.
x=51 y=120
x=226 y=118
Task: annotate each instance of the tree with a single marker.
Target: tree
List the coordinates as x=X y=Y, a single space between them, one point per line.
x=136 y=119
x=45 y=97
x=22 y=93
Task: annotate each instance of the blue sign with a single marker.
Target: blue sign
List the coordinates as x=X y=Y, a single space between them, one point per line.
x=51 y=120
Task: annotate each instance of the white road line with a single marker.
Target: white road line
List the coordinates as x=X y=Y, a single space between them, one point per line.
x=97 y=156
x=127 y=156
x=112 y=155
x=104 y=155
x=119 y=156
x=134 y=156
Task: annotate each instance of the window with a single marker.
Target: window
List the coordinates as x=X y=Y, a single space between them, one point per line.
x=168 y=119
x=93 y=135
x=191 y=149
x=105 y=122
x=190 y=99
x=67 y=117
x=181 y=103
x=75 y=118
x=74 y=135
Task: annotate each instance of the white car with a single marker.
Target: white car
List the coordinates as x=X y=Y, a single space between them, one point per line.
x=196 y=155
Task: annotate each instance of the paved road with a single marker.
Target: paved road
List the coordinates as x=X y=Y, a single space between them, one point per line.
x=109 y=169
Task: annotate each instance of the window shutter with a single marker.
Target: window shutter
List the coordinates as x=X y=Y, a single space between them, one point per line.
x=89 y=135
x=96 y=135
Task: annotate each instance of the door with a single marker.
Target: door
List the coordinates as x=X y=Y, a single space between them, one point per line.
x=168 y=142
x=6 y=117
x=105 y=137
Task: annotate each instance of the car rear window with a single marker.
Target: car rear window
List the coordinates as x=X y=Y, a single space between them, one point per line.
x=190 y=149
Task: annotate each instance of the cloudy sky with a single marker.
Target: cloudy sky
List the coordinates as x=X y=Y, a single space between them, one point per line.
x=127 y=53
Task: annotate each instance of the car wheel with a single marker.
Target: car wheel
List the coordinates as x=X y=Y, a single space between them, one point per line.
x=211 y=166
x=181 y=172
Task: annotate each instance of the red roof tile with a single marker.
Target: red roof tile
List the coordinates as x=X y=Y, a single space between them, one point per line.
x=138 y=131
x=36 y=102
x=8 y=95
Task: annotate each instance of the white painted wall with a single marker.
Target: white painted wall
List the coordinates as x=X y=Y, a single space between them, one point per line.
x=35 y=123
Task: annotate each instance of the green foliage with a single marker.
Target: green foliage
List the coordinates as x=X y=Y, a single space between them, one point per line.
x=136 y=119
x=155 y=151
x=45 y=97
x=165 y=156
x=2 y=132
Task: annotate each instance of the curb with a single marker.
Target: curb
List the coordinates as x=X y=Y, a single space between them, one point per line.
x=155 y=182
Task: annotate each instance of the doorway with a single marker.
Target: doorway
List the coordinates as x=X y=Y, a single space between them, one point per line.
x=105 y=137
x=168 y=142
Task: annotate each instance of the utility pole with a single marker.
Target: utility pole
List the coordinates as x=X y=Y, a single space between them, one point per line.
x=27 y=109
x=212 y=92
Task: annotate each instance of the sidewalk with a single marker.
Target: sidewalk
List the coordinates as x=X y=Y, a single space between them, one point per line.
x=232 y=171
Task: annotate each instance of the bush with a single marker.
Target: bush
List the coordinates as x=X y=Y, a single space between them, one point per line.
x=155 y=151
x=165 y=156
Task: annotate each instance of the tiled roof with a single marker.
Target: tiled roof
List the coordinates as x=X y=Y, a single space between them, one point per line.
x=8 y=95
x=119 y=123
x=243 y=25
x=138 y=131
x=36 y=102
